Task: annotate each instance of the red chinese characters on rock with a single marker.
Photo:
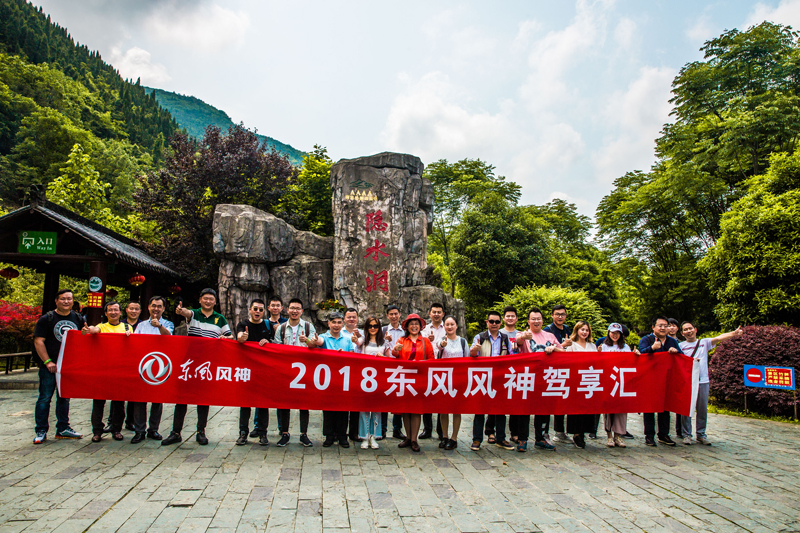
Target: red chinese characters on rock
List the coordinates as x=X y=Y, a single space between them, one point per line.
x=380 y=280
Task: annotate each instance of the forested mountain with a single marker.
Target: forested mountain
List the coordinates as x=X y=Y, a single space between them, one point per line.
x=55 y=93
x=195 y=115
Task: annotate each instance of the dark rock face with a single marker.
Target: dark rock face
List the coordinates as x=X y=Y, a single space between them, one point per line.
x=382 y=211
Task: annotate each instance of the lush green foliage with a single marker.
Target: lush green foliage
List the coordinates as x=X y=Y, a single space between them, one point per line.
x=759 y=345
x=308 y=203
x=180 y=198
x=753 y=267
x=579 y=305
x=195 y=116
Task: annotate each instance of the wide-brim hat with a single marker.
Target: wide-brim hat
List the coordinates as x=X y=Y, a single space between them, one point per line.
x=414 y=316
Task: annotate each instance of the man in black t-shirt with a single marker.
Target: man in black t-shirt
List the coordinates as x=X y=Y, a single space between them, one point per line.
x=255 y=329
x=47 y=336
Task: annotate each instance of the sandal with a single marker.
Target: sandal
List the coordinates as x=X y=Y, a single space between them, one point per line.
x=491 y=439
x=97 y=438
x=514 y=438
x=414 y=446
x=117 y=436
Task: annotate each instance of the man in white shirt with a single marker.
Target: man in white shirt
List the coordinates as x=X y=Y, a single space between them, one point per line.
x=434 y=331
x=698 y=349
x=392 y=333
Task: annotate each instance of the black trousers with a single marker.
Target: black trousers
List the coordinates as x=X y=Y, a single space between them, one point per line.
x=180 y=415
x=650 y=424
x=353 y=417
x=541 y=425
x=138 y=412
x=581 y=424
x=117 y=414
x=519 y=426
x=283 y=420
x=334 y=424
x=397 y=422
x=499 y=428
x=558 y=424
x=262 y=420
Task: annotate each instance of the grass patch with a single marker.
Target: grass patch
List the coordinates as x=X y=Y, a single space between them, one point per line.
x=735 y=412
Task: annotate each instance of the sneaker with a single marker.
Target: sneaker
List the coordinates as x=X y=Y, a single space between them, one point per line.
x=263 y=440
x=40 y=437
x=650 y=441
x=544 y=445
x=687 y=441
x=365 y=444
x=704 y=441
x=666 y=440
x=284 y=440
x=627 y=435
x=550 y=442
x=618 y=442
x=254 y=433
x=201 y=438
x=242 y=440
x=610 y=442
x=522 y=446
x=504 y=444
x=373 y=442
x=327 y=443
x=579 y=441
x=593 y=436
x=172 y=438
x=451 y=444
x=68 y=433
x=304 y=440
x=476 y=445
x=559 y=436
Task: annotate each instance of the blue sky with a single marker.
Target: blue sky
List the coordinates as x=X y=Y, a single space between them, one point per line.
x=560 y=97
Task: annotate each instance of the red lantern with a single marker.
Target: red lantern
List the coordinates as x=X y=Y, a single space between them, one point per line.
x=175 y=289
x=9 y=273
x=136 y=280
x=111 y=294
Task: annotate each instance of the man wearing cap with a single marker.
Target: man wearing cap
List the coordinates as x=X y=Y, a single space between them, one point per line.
x=334 y=423
x=203 y=322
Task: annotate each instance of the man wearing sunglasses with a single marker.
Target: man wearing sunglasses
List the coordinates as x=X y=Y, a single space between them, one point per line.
x=490 y=343
x=254 y=330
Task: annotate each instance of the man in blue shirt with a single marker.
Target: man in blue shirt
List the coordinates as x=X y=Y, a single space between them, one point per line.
x=658 y=342
x=334 y=423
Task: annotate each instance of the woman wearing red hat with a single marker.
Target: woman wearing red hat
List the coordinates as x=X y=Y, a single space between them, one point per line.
x=413 y=347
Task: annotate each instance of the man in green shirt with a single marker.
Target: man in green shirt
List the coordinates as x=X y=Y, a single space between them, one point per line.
x=203 y=322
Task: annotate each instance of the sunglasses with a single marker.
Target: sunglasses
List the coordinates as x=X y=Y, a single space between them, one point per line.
x=494 y=321
x=373 y=326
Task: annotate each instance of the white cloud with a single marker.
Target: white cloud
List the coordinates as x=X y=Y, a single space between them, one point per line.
x=625 y=32
x=135 y=63
x=787 y=12
x=204 y=27
x=701 y=30
x=637 y=115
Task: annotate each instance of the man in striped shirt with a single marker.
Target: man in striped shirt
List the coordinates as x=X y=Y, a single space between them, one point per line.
x=203 y=322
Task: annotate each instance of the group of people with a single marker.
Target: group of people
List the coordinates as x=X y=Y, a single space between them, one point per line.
x=413 y=338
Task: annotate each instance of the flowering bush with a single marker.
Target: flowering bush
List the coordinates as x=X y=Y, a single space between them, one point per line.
x=331 y=304
x=758 y=345
x=17 y=322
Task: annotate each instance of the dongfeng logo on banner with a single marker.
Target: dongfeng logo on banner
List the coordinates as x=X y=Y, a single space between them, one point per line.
x=155 y=368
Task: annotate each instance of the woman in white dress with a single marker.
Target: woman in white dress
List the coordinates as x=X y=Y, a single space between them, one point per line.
x=369 y=423
x=451 y=346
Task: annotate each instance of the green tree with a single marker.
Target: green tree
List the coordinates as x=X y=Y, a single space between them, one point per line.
x=456 y=187
x=579 y=304
x=307 y=204
x=495 y=248
x=753 y=267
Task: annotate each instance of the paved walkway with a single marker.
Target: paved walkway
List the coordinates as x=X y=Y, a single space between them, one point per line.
x=748 y=481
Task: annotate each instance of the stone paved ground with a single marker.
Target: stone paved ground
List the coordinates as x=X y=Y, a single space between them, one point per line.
x=748 y=481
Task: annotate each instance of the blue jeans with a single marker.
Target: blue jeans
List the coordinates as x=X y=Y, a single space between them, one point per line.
x=369 y=424
x=47 y=386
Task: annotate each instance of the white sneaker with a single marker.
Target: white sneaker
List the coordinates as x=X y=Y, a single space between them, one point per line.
x=365 y=444
x=687 y=441
x=546 y=438
x=373 y=443
x=560 y=436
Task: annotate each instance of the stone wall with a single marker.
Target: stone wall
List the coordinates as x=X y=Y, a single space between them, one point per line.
x=382 y=210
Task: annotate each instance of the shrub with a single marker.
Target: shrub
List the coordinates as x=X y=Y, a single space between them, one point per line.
x=17 y=322
x=758 y=345
x=579 y=305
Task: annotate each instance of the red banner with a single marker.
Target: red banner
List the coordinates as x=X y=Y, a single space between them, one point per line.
x=191 y=370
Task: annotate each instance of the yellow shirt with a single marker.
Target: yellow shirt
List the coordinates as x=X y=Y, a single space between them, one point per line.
x=108 y=328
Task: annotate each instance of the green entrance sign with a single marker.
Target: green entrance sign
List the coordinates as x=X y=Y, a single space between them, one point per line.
x=37 y=242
